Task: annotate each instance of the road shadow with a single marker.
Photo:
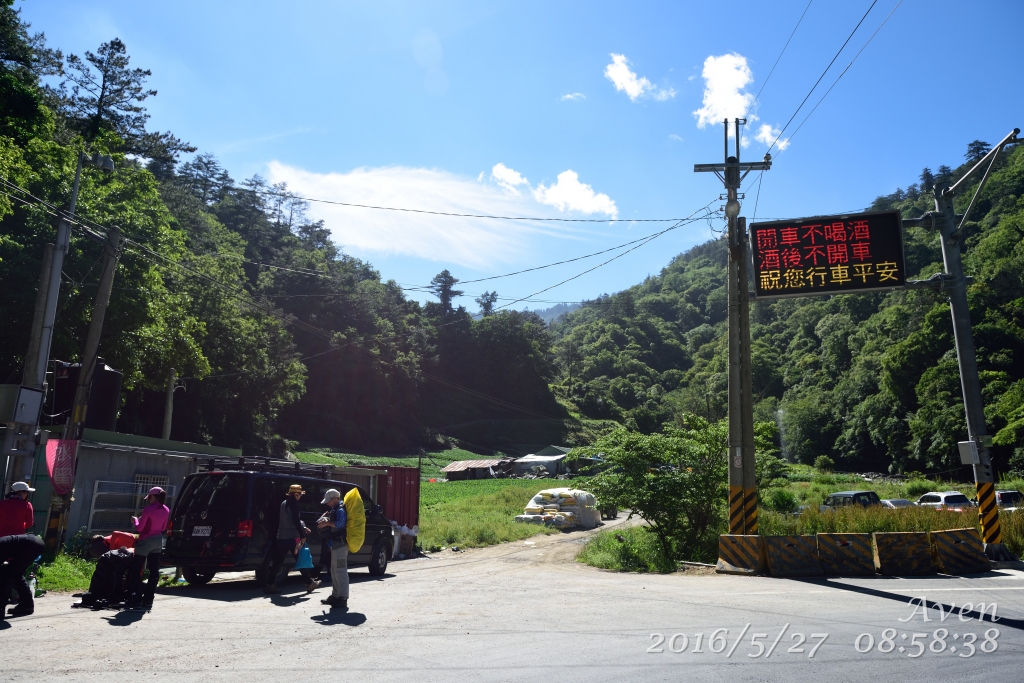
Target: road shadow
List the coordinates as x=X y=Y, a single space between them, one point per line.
x=905 y=599
x=292 y=589
x=335 y=617
x=125 y=618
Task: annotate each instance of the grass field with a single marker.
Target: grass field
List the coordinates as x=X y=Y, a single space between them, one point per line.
x=476 y=513
x=430 y=465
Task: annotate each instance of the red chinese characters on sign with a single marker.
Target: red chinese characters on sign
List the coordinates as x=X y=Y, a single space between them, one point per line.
x=60 y=461
x=825 y=255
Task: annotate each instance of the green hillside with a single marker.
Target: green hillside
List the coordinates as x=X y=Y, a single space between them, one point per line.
x=870 y=379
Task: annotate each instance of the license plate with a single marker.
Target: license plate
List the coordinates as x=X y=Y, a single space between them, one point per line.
x=201 y=530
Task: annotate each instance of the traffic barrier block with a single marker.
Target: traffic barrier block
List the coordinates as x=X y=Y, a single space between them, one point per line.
x=741 y=555
x=846 y=554
x=793 y=556
x=905 y=553
x=960 y=551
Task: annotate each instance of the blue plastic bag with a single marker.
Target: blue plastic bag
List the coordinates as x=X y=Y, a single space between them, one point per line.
x=304 y=560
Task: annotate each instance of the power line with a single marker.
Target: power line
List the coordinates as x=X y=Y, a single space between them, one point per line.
x=779 y=58
x=873 y=3
x=461 y=215
x=844 y=71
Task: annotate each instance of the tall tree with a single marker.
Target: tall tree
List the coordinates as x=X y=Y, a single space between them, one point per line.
x=927 y=180
x=443 y=287
x=976 y=150
x=486 y=302
x=106 y=94
x=205 y=178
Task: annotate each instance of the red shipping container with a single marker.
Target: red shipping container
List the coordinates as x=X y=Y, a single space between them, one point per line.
x=398 y=493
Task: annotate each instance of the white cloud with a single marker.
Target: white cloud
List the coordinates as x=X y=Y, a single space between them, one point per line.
x=568 y=193
x=471 y=242
x=574 y=96
x=767 y=135
x=725 y=97
x=627 y=81
x=675 y=137
x=507 y=178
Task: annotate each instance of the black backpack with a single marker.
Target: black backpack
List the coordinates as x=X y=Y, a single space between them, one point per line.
x=110 y=580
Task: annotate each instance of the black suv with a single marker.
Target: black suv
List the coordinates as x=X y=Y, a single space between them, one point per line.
x=844 y=498
x=226 y=521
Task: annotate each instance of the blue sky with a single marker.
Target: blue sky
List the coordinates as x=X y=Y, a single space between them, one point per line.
x=557 y=109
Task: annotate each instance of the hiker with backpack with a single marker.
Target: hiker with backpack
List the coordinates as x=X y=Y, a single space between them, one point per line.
x=291 y=534
x=150 y=527
x=346 y=525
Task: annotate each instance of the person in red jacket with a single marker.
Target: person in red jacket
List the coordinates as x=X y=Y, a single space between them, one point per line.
x=16 y=514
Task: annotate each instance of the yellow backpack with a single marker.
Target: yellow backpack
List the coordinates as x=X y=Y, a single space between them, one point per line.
x=355 y=527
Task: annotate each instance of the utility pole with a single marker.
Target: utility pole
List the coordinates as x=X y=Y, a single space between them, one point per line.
x=111 y=253
x=169 y=404
x=955 y=287
x=742 y=480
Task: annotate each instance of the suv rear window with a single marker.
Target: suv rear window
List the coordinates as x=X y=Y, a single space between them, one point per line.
x=959 y=499
x=1009 y=498
x=220 y=494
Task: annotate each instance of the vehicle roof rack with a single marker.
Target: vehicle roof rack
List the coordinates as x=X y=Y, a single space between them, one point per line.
x=210 y=464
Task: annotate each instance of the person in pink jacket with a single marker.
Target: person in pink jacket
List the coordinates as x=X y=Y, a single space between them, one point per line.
x=150 y=527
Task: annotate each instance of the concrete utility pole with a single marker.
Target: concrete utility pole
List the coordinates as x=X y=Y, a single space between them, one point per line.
x=112 y=251
x=169 y=404
x=955 y=287
x=742 y=479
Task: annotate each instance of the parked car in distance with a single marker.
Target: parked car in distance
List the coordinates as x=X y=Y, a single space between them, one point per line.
x=227 y=520
x=948 y=500
x=1009 y=501
x=896 y=503
x=844 y=498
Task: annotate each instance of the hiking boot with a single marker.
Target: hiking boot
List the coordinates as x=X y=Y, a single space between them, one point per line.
x=312 y=585
x=329 y=600
x=340 y=603
x=271 y=590
x=20 y=611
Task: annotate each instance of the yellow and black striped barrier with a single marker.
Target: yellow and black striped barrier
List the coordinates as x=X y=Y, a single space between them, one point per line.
x=793 y=556
x=736 y=526
x=960 y=551
x=903 y=553
x=846 y=554
x=988 y=513
x=741 y=554
x=750 y=511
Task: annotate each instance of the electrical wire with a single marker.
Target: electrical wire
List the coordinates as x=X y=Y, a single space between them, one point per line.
x=461 y=215
x=777 y=59
x=844 y=71
x=811 y=91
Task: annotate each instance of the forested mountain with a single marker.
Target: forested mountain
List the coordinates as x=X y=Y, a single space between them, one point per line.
x=275 y=332
x=869 y=379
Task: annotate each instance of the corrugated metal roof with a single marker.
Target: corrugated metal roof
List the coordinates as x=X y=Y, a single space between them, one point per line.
x=460 y=465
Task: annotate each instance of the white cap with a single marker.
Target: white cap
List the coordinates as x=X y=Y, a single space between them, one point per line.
x=330 y=495
x=21 y=486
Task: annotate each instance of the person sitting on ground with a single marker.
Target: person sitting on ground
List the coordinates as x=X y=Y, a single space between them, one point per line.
x=151 y=527
x=18 y=551
x=16 y=513
x=117 y=539
x=290 y=534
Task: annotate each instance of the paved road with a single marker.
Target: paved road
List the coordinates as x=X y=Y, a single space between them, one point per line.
x=527 y=612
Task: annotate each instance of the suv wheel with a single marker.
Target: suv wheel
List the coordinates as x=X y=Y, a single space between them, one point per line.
x=197 y=577
x=379 y=559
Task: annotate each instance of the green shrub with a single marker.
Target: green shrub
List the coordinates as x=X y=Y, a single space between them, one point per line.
x=780 y=500
x=65 y=574
x=823 y=463
x=918 y=487
x=638 y=551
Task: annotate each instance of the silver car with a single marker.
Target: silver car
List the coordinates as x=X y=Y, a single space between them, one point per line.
x=947 y=500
